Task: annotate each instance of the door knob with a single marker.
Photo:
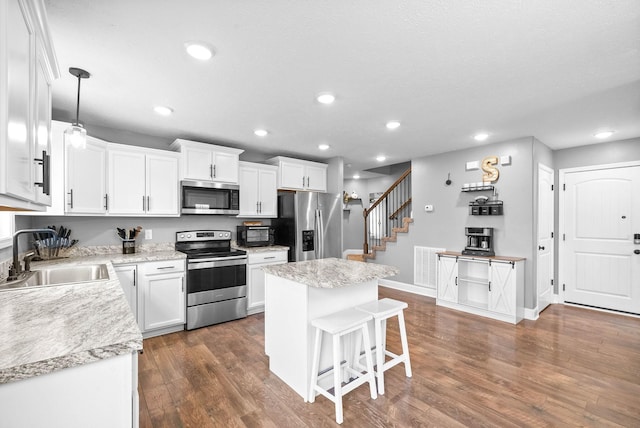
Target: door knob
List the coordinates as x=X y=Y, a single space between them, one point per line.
x=636 y=251
x=540 y=247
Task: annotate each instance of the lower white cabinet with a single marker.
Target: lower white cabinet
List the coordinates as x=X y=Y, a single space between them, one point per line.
x=489 y=286
x=127 y=277
x=161 y=296
x=255 y=277
x=156 y=294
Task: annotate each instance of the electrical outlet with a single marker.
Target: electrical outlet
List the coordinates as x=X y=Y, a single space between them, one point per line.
x=148 y=234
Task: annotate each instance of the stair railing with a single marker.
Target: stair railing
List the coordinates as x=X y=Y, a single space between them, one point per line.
x=387 y=212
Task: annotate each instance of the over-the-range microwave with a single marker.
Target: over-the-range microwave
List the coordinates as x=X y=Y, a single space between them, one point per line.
x=205 y=197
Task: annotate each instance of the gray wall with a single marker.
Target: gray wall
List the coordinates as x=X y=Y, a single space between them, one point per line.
x=444 y=227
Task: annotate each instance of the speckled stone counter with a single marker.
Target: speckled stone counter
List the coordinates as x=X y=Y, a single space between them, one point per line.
x=251 y=250
x=45 y=329
x=330 y=273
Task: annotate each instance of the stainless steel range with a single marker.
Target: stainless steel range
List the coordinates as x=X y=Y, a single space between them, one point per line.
x=216 y=277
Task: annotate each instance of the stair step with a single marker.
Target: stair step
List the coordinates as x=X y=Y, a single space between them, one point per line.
x=356 y=257
x=379 y=248
x=390 y=239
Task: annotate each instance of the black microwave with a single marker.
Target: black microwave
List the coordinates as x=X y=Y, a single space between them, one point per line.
x=255 y=236
x=205 y=197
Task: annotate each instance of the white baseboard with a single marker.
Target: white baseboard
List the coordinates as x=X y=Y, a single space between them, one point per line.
x=531 y=314
x=415 y=289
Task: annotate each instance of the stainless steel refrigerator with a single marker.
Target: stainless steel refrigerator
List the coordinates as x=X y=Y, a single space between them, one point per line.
x=310 y=224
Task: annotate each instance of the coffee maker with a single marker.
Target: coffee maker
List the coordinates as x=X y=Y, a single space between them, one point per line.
x=479 y=241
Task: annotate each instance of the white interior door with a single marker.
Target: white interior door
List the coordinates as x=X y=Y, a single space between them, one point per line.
x=602 y=212
x=544 y=255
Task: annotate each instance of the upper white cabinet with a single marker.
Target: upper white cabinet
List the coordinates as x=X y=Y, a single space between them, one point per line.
x=28 y=66
x=258 y=190
x=201 y=161
x=142 y=181
x=296 y=174
x=85 y=180
x=487 y=286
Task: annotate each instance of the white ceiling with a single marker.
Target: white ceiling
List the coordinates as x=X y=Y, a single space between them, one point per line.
x=559 y=70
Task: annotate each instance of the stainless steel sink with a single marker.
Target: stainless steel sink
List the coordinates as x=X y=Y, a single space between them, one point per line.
x=60 y=275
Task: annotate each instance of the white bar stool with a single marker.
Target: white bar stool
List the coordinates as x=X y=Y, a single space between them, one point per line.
x=340 y=324
x=381 y=310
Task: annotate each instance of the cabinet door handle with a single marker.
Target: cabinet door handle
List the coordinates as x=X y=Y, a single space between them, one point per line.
x=214 y=171
x=70 y=193
x=148 y=205
x=270 y=257
x=489 y=285
x=106 y=202
x=260 y=210
x=46 y=182
x=257 y=207
x=166 y=267
x=303 y=181
x=456 y=280
x=143 y=203
x=540 y=247
x=210 y=170
x=307 y=181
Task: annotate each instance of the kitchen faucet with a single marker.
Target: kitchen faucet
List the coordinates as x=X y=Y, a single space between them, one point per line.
x=16 y=269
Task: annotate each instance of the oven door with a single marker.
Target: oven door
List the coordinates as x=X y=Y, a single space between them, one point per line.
x=216 y=280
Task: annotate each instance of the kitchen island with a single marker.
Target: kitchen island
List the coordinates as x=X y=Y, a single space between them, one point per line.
x=295 y=294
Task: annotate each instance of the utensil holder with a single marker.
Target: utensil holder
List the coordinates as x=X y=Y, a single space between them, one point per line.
x=128 y=246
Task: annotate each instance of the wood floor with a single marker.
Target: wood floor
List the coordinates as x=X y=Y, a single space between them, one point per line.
x=571 y=367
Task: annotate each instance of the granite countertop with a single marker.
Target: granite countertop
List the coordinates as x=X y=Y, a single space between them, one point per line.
x=330 y=273
x=251 y=250
x=45 y=329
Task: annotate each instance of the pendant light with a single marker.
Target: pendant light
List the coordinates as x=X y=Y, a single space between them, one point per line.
x=76 y=135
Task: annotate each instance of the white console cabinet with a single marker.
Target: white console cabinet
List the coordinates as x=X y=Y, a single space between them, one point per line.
x=488 y=286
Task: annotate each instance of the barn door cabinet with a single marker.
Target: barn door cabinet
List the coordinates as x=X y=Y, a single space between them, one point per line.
x=488 y=286
x=27 y=68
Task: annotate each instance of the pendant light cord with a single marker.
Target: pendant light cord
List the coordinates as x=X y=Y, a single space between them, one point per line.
x=78 y=104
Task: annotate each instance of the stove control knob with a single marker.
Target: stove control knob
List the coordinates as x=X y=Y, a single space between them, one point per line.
x=181 y=235
x=189 y=236
x=227 y=234
x=220 y=234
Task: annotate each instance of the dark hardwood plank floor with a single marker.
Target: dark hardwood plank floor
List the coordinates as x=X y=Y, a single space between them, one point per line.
x=571 y=367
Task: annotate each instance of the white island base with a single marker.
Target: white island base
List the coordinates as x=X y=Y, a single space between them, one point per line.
x=289 y=308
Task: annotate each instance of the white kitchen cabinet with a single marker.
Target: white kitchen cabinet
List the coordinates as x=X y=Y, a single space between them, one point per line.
x=28 y=66
x=487 y=286
x=128 y=281
x=258 y=190
x=161 y=297
x=85 y=178
x=208 y=162
x=297 y=174
x=104 y=392
x=255 y=278
x=142 y=181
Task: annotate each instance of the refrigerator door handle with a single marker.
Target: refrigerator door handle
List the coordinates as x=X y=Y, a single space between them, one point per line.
x=320 y=235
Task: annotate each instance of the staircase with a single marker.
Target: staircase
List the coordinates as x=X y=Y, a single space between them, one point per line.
x=388 y=216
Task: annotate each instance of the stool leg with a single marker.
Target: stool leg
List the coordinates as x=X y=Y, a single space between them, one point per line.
x=337 y=377
x=315 y=366
x=405 y=344
x=380 y=348
x=367 y=353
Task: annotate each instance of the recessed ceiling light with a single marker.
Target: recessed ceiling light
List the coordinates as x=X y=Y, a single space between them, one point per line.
x=199 y=51
x=393 y=124
x=381 y=158
x=261 y=132
x=163 y=110
x=481 y=136
x=356 y=176
x=603 y=134
x=326 y=98
x=323 y=146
